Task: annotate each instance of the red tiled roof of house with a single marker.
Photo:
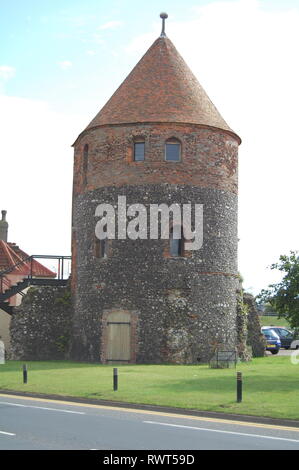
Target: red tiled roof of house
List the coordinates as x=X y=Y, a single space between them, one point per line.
x=11 y=254
x=161 y=88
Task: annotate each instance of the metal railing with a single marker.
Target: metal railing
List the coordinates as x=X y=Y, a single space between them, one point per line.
x=61 y=272
x=5 y=284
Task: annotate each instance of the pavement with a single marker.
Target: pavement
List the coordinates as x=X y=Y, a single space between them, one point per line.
x=284 y=352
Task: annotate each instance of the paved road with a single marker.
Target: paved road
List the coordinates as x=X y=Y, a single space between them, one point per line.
x=284 y=352
x=27 y=423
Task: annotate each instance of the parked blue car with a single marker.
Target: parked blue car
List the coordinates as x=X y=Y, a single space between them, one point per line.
x=273 y=343
x=286 y=336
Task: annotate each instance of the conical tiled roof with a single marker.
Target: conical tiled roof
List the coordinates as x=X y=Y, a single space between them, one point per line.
x=161 y=88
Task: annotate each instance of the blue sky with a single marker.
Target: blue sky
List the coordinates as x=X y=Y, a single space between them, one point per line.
x=60 y=61
x=87 y=39
x=89 y=34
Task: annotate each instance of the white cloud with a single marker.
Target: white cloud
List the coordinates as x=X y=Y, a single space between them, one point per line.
x=245 y=58
x=141 y=43
x=78 y=21
x=7 y=72
x=110 y=25
x=91 y=53
x=37 y=161
x=98 y=39
x=65 y=64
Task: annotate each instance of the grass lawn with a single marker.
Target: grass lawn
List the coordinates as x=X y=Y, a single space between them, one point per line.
x=273 y=321
x=270 y=384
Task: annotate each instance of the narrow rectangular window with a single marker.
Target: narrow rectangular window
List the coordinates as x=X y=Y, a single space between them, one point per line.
x=104 y=248
x=85 y=163
x=139 y=148
x=173 y=152
x=101 y=248
x=176 y=244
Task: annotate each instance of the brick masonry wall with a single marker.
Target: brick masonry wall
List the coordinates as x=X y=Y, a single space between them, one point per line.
x=209 y=157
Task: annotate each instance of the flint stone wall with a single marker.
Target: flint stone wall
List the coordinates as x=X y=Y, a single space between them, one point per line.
x=40 y=326
x=243 y=347
x=255 y=338
x=184 y=306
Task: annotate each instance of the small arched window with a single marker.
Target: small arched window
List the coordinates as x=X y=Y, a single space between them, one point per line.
x=176 y=243
x=85 y=163
x=173 y=150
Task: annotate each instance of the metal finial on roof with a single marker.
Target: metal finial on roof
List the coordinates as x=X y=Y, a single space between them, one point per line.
x=163 y=16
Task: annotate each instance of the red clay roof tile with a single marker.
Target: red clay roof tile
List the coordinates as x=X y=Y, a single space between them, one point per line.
x=11 y=254
x=161 y=88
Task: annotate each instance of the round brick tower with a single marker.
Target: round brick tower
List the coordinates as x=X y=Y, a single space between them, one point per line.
x=143 y=301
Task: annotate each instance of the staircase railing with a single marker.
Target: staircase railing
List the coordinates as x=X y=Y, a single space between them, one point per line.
x=4 y=284
x=60 y=272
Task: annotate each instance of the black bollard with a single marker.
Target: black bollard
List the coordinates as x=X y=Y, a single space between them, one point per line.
x=24 y=373
x=115 y=379
x=239 y=387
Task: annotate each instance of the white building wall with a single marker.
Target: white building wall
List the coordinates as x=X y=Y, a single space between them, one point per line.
x=5 y=319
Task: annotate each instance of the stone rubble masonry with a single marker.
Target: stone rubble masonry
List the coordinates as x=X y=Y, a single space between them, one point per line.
x=40 y=327
x=255 y=338
x=244 y=349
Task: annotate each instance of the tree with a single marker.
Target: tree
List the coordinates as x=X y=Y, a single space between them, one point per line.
x=284 y=296
x=268 y=308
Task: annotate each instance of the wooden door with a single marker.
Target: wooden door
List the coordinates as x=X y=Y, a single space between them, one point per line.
x=119 y=337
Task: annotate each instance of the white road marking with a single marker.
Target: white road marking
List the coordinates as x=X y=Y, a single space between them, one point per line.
x=7 y=433
x=221 y=431
x=153 y=413
x=42 y=408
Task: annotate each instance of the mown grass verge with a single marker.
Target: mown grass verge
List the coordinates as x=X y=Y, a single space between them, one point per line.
x=273 y=321
x=270 y=384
